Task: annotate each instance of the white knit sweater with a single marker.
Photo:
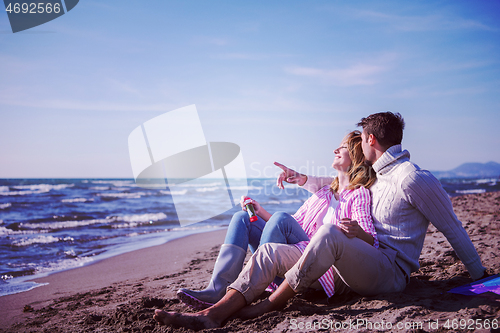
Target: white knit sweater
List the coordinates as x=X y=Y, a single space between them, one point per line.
x=404 y=200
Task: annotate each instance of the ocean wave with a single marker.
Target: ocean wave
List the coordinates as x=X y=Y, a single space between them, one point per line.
x=136 y=195
x=7 y=232
x=24 y=192
x=120 y=189
x=40 y=240
x=76 y=200
x=206 y=189
x=109 y=220
x=149 y=217
x=4 y=189
x=136 y=220
x=481 y=181
x=182 y=192
x=473 y=191
x=71 y=253
x=6 y=205
x=61 y=224
x=99 y=188
x=490 y=181
x=200 y=184
x=44 y=187
x=154 y=186
x=63 y=265
x=124 y=225
x=117 y=183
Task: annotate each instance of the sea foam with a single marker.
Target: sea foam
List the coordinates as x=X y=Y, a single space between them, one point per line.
x=76 y=200
x=6 y=205
x=7 y=232
x=43 y=187
x=23 y=192
x=117 y=183
x=182 y=192
x=109 y=220
x=26 y=241
x=474 y=191
x=136 y=195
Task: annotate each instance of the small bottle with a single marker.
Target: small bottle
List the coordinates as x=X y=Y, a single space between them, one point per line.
x=250 y=209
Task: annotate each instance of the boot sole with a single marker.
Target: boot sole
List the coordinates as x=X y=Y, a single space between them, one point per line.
x=192 y=301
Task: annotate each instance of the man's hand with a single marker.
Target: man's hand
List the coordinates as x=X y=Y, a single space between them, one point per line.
x=289 y=176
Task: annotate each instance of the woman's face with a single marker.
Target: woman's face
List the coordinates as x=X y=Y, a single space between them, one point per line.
x=342 y=160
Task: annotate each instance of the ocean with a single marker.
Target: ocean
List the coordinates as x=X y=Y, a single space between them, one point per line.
x=50 y=225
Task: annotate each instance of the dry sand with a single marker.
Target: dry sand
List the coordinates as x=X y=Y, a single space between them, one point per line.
x=120 y=294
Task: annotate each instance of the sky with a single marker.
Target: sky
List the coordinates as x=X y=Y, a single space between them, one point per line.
x=284 y=80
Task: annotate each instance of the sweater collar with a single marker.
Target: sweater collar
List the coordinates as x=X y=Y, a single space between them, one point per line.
x=391 y=157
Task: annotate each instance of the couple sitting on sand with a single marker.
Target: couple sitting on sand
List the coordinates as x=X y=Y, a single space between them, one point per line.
x=333 y=242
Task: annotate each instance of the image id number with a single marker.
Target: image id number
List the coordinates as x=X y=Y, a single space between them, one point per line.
x=471 y=324
x=33 y=8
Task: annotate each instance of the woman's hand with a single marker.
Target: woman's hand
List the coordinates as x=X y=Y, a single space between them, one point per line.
x=350 y=227
x=256 y=206
x=289 y=176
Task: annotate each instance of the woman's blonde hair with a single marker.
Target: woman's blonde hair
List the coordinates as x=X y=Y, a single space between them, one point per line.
x=360 y=173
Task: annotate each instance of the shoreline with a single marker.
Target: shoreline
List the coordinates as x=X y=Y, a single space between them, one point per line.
x=107 y=254
x=120 y=294
x=153 y=261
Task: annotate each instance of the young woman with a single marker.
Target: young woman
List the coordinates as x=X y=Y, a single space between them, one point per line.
x=345 y=203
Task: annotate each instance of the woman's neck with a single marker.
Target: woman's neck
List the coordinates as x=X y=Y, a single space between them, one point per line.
x=343 y=181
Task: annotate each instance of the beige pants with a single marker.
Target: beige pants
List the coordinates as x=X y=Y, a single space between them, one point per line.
x=359 y=266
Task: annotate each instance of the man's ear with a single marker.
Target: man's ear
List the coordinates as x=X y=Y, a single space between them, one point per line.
x=372 y=140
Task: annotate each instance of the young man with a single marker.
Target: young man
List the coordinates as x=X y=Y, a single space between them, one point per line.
x=405 y=199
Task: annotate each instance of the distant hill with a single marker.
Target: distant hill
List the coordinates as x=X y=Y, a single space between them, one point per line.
x=471 y=170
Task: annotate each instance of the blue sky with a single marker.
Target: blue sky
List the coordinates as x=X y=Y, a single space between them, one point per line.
x=285 y=80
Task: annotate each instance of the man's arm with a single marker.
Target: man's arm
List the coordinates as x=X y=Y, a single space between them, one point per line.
x=425 y=193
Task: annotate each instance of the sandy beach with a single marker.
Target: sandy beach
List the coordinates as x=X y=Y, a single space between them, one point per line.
x=120 y=294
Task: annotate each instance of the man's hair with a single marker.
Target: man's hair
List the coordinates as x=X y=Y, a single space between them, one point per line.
x=386 y=127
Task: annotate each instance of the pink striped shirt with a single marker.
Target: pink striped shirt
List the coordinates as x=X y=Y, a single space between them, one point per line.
x=353 y=204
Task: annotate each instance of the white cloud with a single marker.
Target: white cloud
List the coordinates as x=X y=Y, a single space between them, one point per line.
x=355 y=75
x=68 y=104
x=424 y=22
x=241 y=56
x=123 y=86
x=251 y=56
x=460 y=91
x=218 y=41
